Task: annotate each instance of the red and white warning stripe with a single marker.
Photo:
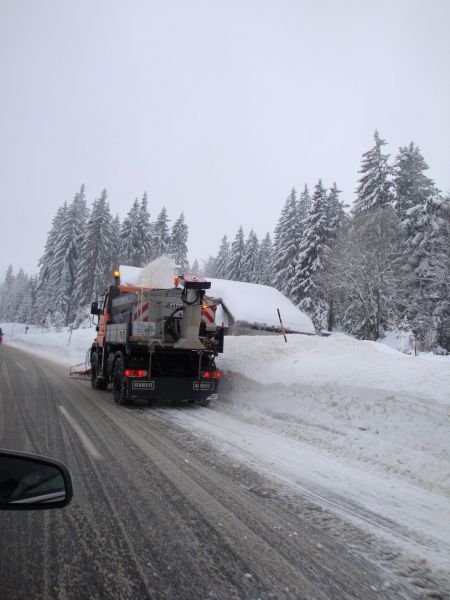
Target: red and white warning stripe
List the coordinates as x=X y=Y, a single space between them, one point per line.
x=209 y=313
x=140 y=312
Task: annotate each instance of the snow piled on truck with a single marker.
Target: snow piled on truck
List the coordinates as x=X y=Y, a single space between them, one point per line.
x=244 y=303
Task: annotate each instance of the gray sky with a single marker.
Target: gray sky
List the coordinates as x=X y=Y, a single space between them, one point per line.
x=215 y=108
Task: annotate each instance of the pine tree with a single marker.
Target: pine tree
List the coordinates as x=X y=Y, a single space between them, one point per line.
x=304 y=206
x=375 y=186
x=286 y=245
x=312 y=249
x=335 y=210
x=95 y=269
x=422 y=211
x=236 y=257
x=178 y=243
x=195 y=267
x=5 y=293
x=131 y=250
x=209 y=267
x=412 y=186
x=223 y=259
x=116 y=243
x=265 y=275
x=145 y=233
x=161 y=235
x=250 y=260
x=66 y=257
x=45 y=292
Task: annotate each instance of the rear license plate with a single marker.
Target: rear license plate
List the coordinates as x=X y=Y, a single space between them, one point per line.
x=203 y=385
x=143 y=385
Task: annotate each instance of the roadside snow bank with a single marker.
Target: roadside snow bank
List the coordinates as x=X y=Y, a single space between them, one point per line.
x=63 y=347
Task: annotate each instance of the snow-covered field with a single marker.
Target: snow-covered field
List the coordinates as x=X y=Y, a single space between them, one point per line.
x=358 y=426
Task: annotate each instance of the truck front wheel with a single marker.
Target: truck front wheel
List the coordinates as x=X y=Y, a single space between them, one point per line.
x=120 y=391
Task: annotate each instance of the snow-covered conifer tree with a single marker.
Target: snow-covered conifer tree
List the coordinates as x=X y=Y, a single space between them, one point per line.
x=286 y=245
x=375 y=186
x=95 y=269
x=209 y=267
x=335 y=210
x=145 y=233
x=178 y=243
x=195 y=267
x=303 y=207
x=236 y=257
x=424 y=228
x=250 y=261
x=412 y=186
x=223 y=259
x=131 y=249
x=45 y=292
x=313 y=246
x=265 y=274
x=66 y=258
x=116 y=243
x=161 y=235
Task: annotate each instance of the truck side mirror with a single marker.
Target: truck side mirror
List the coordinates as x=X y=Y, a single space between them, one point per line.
x=95 y=310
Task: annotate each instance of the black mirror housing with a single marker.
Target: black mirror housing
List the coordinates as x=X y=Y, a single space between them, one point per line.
x=95 y=310
x=32 y=482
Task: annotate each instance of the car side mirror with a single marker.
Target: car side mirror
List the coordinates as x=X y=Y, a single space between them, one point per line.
x=29 y=482
x=95 y=310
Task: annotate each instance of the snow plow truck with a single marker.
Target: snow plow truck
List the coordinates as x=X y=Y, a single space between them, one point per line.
x=157 y=343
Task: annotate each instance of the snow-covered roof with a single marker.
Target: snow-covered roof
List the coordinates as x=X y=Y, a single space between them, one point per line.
x=257 y=304
x=245 y=302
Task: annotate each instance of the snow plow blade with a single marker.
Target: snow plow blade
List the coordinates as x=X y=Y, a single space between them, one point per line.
x=82 y=371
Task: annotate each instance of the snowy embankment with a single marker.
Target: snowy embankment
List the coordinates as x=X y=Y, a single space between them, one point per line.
x=358 y=426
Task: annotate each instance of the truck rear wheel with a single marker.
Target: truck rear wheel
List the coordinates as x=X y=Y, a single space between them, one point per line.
x=120 y=391
x=97 y=383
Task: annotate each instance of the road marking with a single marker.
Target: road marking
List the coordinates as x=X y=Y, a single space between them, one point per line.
x=21 y=367
x=80 y=433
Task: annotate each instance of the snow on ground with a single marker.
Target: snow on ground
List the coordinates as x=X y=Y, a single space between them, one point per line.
x=360 y=427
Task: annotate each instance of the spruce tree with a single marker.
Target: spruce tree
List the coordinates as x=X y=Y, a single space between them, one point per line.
x=250 y=261
x=66 y=258
x=236 y=257
x=286 y=245
x=48 y=275
x=223 y=259
x=116 y=243
x=131 y=250
x=265 y=274
x=95 y=269
x=178 y=243
x=313 y=246
x=161 y=236
x=375 y=185
x=145 y=234
x=412 y=186
x=303 y=207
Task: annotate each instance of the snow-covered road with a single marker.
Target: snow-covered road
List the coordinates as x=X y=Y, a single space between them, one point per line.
x=356 y=425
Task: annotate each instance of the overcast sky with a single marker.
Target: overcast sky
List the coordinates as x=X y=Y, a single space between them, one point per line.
x=216 y=108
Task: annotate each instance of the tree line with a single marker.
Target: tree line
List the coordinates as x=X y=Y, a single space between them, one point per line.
x=83 y=247
x=383 y=265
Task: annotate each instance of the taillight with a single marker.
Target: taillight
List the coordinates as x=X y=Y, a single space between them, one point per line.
x=212 y=375
x=135 y=373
